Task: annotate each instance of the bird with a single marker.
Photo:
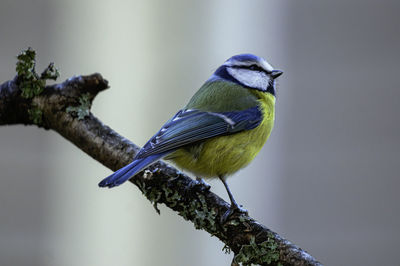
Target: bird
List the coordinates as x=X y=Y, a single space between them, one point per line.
x=221 y=129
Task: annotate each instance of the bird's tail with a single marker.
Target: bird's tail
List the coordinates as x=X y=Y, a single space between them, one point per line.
x=126 y=172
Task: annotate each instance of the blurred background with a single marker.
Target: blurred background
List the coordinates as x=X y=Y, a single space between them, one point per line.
x=327 y=179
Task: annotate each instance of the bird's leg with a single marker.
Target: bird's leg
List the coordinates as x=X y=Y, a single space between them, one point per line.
x=234 y=206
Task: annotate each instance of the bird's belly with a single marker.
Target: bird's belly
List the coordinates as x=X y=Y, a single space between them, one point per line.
x=224 y=155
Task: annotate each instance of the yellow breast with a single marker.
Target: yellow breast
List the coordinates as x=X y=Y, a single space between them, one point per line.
x=224 y=155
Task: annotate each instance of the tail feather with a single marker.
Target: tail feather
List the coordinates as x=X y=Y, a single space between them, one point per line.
x=128 y=171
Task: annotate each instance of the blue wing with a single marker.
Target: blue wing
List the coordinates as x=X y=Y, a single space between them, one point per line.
x=186 y=127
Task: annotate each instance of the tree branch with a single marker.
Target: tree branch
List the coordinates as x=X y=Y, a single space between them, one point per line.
x=65 y=107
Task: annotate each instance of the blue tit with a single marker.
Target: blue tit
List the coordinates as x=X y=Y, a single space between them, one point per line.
x=221 y=129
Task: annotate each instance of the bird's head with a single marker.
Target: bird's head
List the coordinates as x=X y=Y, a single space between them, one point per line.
x=250 y=71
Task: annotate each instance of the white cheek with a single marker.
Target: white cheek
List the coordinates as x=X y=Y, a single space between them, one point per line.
x=253 y=79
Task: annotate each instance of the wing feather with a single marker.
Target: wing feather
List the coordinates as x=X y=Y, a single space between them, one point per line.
x=189 y=126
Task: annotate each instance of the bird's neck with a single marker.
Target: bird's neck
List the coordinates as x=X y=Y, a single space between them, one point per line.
x=267 y=102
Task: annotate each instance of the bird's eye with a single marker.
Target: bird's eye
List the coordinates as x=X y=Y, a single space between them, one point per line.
x=254 y=67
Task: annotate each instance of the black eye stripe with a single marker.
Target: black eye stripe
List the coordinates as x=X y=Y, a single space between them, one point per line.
x=253 y=67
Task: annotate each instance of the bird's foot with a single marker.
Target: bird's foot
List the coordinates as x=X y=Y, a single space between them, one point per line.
x=199 y=185
x=234 y=209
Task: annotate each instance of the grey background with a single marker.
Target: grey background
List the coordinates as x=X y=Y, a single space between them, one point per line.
x=327 y=179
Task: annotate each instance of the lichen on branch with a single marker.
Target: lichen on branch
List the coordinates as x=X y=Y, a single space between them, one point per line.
x=31 y=84
x=83 y=109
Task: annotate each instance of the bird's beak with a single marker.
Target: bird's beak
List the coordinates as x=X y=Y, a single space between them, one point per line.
x=276 y=73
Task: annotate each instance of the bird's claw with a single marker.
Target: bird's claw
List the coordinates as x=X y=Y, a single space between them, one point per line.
x=232 y=210
x=199 y=185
